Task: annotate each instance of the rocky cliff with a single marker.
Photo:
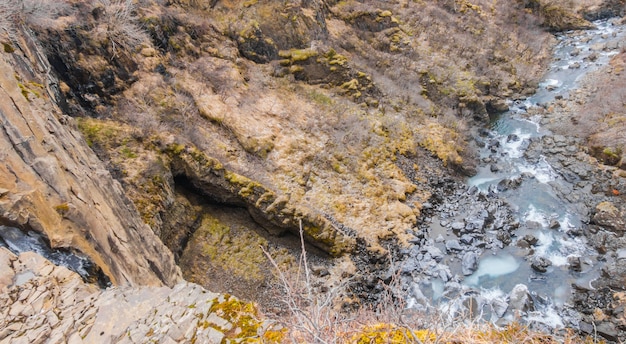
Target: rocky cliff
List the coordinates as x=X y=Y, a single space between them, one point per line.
x=51 y=182
x=222 y=128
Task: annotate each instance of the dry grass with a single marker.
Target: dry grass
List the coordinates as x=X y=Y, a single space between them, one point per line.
x=119 y=25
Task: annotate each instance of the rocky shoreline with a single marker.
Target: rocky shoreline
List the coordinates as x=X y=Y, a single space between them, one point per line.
x=466 y=223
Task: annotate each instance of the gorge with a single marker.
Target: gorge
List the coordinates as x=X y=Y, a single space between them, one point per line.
x=419 y=148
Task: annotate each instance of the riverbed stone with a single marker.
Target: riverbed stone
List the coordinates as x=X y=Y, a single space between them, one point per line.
x=540 y=264
x=520 y=300
x=610 y=217
x=453 y=246
x=469 y=263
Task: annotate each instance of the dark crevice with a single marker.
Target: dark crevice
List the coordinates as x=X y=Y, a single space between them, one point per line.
x=19 y=240
x=178 y=229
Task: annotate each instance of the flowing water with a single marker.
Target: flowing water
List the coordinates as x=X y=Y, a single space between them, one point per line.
x=546 y=239
x=18 y=241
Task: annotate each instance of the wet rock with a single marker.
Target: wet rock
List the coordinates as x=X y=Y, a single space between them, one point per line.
x=608 y=331
x=494 y=145
x=499 y=307
x=540 y=264
x=472 y=190
x=504 y=237
x=574 y=264
x=484 y=132
x=497 y=106
x=453 y=245
x=476 y=222
x=435 y=253
x=520 y=300
x=409 y=266
x=469 y=263
x=495 y=168
x=554 y=224
x=613 y=274
x=531 y=239
x=512 y=138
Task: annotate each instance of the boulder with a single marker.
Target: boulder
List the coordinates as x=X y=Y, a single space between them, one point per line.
x=469 y=263
x=520 y=300
x=610 y=217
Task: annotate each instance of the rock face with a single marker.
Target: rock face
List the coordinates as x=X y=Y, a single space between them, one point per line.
x=42 y=302
x=52 y=183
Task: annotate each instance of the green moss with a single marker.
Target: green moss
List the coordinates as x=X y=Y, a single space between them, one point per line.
x=350 y=85
x=389 y=333
x=128 y=153
x=29 y=88
x=104 y=133
x=236 y=251
x=320 y=98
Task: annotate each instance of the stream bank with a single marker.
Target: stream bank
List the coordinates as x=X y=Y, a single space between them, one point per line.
x=536 y=234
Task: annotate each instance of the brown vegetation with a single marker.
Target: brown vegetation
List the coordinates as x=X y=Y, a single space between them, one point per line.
x=308 y=107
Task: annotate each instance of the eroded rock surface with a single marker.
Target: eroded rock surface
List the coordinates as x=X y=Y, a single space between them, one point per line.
x=44 y=303
x=54 y=184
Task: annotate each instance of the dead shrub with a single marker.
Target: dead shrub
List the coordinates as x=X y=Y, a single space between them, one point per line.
x=118 y=24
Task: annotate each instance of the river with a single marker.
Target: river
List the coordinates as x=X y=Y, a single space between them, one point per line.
x=507 y=247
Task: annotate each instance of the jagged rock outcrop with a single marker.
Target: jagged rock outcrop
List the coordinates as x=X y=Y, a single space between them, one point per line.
x=51 y=182
x=44 y=303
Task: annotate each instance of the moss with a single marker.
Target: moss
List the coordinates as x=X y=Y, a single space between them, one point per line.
x=442 y=142
x=107 y=134
x=320 y=98
x=128 y=153
x=334 y=58
x=389 y=333
x=246 y=186
x=236 y=251
x=350 y=85
x=29 y=88
x=244 y=317
x=297 y=55
x=62 y=208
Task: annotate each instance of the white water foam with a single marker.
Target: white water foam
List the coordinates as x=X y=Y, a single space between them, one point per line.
x=548 y=316
x=515 y=149
x=542 y=171
x=534 y=215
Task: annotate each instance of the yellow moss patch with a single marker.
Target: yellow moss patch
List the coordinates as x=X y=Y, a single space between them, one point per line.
x=389 y=333
x=442 y=142
x=297 y=55
x=62 y=208
x=247 y=323
x=239 y=253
